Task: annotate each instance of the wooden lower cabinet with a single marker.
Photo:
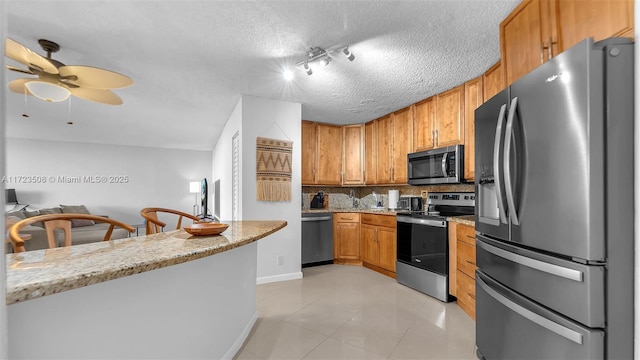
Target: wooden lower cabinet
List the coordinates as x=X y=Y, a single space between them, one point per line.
x=346 y=238
x=465 y=268
x=378 y=241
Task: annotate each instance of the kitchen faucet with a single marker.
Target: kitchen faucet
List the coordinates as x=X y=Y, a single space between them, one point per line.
x=352 y=195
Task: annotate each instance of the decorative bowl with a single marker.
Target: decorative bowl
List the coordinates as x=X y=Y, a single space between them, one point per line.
x=205 y=228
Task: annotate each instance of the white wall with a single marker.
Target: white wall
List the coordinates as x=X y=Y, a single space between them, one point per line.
x=154 y=177
x=255 y=117
x=3 y=304
x=222 y=161
x=277 y=120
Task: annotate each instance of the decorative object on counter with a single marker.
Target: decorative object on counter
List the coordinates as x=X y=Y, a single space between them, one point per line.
x=318 y=201
x=205 y=228
x=273 y=169
x=393 y=199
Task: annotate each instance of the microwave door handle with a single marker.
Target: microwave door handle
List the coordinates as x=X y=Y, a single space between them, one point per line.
x=508 y=186
x=444 y=165
x=496 y=165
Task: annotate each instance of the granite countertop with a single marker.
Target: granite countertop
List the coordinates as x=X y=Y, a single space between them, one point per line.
x=466 y=219
x=355 y=210
x=38 y=273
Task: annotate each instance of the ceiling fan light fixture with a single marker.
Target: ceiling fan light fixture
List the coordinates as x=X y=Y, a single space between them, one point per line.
x=307 y=69
x=47 y=91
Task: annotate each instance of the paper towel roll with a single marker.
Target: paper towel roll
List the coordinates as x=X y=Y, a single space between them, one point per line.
x=393 y=199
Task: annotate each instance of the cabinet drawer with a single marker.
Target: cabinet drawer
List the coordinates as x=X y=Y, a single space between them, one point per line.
x=466 y=293
x=466 y=233
x=379 y=220
x=466 y=261
x=346 y=217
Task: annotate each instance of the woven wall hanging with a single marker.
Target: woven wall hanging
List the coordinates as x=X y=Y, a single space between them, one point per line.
x=273 y=169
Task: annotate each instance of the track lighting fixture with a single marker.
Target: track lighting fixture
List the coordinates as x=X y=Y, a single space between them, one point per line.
x=323 y=57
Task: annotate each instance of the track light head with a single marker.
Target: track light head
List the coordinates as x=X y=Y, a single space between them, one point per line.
x=325 y=60
x=348 y=54
x=307 y=69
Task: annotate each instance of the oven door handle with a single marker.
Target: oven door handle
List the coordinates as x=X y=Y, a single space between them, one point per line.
x=428 y=222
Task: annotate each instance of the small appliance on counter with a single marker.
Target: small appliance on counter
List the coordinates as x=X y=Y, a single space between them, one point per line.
x=411 y=203
x=394 y=195
x=318 y=200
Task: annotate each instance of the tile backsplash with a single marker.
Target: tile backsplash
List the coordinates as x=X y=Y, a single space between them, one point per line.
x=340 y=196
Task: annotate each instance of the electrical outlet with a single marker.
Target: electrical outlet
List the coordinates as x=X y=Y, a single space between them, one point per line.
x=280 y=260
x=424 y=193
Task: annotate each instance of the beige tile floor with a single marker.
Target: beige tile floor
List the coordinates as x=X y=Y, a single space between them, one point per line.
x=350 y=312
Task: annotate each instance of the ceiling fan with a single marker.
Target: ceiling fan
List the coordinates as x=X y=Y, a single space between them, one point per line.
x=56 y=81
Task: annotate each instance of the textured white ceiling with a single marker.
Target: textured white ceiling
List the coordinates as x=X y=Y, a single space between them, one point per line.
x=192 y=60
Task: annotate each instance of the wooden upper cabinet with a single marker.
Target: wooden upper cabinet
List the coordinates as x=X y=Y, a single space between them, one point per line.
x=308 y=152
x=383 y=150
x=523 y=40
x=424 y=118
x=353 y=161
x=449 y=129
x=370 y=153
x=493 y=81
x=329 y=154
x=472 y=99
x=402 y=128
x=537 y=30
x=600 y=19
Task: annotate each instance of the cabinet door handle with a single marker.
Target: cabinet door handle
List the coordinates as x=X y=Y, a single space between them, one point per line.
x=437 y=137
x=542 y=47
x=470 y=262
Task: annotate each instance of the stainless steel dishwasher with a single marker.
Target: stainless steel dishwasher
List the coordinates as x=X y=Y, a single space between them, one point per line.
x=317 y=239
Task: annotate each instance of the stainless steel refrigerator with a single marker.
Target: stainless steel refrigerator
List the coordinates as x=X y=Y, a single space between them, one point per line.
x=554 y=209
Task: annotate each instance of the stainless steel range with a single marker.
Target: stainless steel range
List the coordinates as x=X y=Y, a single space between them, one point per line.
x=423 y=243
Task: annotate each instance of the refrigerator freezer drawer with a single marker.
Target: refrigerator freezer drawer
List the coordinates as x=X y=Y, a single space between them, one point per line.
x=509 y=326
x=573 y=289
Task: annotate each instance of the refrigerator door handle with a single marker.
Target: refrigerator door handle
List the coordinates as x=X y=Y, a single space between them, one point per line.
x=444 y=165
x=496 y=165
x=553 y=269
x=530 y=315
x=507 y=166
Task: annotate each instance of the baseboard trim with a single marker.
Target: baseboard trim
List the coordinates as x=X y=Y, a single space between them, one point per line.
x=242 y=337
x=278 y=278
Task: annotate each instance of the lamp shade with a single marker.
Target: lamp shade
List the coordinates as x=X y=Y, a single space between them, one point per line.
x=47 y=91
x=194 y=187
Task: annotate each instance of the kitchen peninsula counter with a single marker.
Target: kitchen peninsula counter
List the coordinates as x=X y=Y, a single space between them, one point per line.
x=167 y=295
x=33 y=274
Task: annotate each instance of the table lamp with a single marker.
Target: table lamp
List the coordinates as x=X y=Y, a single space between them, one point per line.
x=194 y=188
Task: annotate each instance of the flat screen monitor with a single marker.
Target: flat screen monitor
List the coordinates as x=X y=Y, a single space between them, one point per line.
x=10 y=196
x=204 y=198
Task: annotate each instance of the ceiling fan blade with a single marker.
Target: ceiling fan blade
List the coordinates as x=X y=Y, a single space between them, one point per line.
x=18 y=86
x=93 y=77
x=13 y=68
x=97 y=95
x=18 y=52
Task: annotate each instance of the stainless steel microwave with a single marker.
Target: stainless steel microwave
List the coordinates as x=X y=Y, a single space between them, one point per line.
x=437 y=166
